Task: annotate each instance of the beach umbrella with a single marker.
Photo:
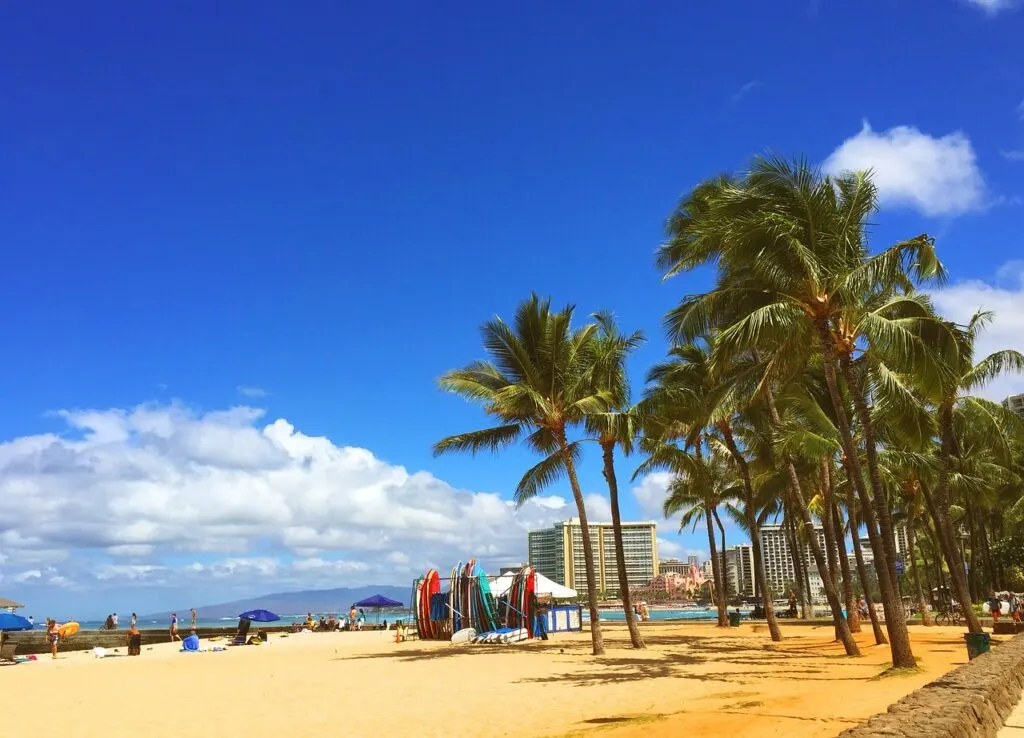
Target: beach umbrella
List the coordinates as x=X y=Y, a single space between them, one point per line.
x=10 y=621
x=259 y=616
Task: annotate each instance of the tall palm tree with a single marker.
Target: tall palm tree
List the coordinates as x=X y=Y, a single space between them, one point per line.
x=615 y=427
x=964 y=377
x=537 y=385
x=794 y=269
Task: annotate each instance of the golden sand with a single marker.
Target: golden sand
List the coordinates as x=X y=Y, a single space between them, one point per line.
x=692 y=679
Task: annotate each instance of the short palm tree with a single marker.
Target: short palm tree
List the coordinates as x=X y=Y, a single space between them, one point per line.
x=701 y=483
x=538 y=385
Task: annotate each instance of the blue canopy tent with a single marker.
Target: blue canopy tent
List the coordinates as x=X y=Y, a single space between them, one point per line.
x=377 y=603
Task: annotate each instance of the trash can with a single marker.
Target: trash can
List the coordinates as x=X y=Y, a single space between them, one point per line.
x=734 y=622
x=977 y=643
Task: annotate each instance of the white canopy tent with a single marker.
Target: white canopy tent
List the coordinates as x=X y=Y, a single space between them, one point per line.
x=544 y=586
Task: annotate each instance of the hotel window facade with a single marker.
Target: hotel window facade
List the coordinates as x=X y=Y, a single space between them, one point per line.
x=557 y=553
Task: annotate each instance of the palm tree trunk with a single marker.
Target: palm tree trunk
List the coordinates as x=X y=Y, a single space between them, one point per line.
x=926 y=617
x=895 y=624
x=725 y=567
x=862 y=570
x=824 y=570
x=789 y=529
x=608 y=453
x=852 y=616
x=716 y=573
x=973 y=582
x=993 y=576
x=596 y=636
x=878 y=491
x=760 y=578
x=831 y=575
x=947 y=541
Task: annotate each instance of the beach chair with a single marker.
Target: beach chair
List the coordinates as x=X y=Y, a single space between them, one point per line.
x=7 y=652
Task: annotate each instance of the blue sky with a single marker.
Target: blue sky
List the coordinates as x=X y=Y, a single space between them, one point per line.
x=307 y=211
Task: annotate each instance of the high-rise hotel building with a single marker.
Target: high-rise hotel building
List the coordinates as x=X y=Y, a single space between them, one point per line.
x=557 y=553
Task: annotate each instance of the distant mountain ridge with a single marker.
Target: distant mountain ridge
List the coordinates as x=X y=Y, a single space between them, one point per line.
x=290 y=603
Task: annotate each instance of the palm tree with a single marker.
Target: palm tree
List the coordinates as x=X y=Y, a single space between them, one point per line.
x=615 y=427
x=538 y=384
x=965 y=376
x=700 y=484
x=794 y=271
x=693 y=402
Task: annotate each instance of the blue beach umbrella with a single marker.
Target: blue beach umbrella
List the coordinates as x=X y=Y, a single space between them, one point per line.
x=259 y=616
x=10 y=621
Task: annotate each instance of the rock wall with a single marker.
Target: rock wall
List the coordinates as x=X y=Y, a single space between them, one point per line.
x=971 y=701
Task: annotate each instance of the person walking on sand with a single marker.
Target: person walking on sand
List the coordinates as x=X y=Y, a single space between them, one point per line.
x=195 y=617
x=113 y=621
x=174 y=627
x=52 y=635
x=995 y=607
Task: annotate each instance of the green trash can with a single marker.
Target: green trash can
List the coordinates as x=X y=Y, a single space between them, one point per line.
x=977 y=644
x=734 y=621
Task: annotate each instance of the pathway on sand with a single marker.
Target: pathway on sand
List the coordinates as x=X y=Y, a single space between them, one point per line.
x=1014 y=726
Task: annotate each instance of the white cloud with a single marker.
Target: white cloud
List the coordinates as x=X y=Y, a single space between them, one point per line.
x=1013 y=154
x=668 y=549
x=27 y=575
x=936 y=176
x=163 y=496
x=994 y=6
x=650 y=494
x=246 y=391
x=1005 y=297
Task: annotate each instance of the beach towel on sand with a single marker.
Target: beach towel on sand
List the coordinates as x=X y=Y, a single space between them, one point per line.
x=190 y=644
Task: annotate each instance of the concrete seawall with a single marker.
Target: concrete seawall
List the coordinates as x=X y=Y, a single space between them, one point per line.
x=972 y=701
x=34 y=641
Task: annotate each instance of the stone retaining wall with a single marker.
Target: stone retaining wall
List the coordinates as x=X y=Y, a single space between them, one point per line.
x=972 y=700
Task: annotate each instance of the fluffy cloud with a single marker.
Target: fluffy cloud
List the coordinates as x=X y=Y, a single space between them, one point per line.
x=1005 y=297
x=994 y=6
x=162 y=495
x=650 y=494
x=936 y=176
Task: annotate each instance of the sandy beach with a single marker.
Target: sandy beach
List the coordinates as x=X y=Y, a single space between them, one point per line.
x=692 y=678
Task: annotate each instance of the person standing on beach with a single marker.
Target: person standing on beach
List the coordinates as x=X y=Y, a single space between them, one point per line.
x=195 y=617
x=133 y=621
x=52 y=635
x=174 y=627
x=113 y=621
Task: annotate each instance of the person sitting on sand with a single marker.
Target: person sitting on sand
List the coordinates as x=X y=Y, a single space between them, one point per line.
x=52 y=635
x=174 y=627
x=133 y=639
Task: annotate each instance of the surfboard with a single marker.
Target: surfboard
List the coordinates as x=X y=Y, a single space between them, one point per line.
x=464 y=636
x=431 y=587
x=68 y=629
